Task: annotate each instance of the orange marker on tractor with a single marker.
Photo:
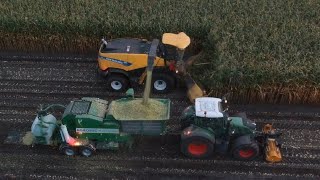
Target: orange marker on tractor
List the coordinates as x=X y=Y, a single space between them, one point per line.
x=272 y=150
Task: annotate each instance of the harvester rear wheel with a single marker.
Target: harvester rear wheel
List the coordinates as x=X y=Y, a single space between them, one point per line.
x=197 y=147
x=162 y=83
x=117 y=82
x=67 y=150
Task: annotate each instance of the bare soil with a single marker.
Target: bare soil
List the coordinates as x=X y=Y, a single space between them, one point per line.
x=26 y=81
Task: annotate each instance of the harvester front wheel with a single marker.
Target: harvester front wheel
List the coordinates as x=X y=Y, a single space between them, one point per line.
x=162 y=83
x=67 y=150
x=117 y=82
x=197 y=147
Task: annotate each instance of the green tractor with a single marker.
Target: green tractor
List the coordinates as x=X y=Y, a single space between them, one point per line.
x=207 y=128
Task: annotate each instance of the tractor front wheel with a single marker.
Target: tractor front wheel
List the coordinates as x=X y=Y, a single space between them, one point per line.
x=245 y=149
x=197 y=147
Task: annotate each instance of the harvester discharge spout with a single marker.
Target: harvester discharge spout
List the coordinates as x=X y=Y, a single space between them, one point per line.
x=151 y=57
x=182 y=41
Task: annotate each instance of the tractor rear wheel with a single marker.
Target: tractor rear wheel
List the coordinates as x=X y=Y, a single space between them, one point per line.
x=197 y=147
x=162 y=83
x=67 y=150
x=245 y=149
x=117 y=82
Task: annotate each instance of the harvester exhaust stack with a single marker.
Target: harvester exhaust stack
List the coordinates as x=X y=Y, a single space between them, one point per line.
x=272 y=150
x=182 y=41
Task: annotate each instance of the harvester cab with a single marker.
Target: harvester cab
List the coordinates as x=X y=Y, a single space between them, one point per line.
x=207 y=128
x=123 y=62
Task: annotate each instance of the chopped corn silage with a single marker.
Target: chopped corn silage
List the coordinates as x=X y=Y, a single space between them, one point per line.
x=135 y=110
x=27 y=138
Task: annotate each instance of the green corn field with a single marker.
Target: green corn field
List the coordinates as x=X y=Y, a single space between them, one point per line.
x=259 y=50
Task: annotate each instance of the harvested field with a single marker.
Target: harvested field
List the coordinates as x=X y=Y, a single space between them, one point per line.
x=22 y=91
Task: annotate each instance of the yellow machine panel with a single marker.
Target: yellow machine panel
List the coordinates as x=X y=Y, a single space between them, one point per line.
x=126 y=62
x=114 y=60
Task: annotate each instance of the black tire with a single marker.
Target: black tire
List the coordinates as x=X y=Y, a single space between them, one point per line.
x=67 y=150
x=245 y=149
x=117 y=82
x=197 y=147
x=162 y=83
x=87 y=151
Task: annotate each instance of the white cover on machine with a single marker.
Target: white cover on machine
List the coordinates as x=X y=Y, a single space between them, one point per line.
x=208 y=107
x=46 y=128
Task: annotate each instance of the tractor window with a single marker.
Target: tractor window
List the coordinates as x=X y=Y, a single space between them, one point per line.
x=220 y=107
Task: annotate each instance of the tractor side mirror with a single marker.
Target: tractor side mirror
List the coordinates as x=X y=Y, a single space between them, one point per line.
x=224 y=98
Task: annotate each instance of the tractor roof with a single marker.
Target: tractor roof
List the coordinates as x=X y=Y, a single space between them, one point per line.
x=208 y=107
x=122 y=45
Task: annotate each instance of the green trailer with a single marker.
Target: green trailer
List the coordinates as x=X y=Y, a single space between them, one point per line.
x=206 y=128
x=92 y=123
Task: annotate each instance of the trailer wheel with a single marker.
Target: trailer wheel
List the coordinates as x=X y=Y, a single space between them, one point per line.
x=117 y=82
x=162 y=83
x=87 y=151
x=67 y=150
x=197 y=147
x=245 y=149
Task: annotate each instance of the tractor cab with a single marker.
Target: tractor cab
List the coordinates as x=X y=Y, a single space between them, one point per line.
x=208 y=113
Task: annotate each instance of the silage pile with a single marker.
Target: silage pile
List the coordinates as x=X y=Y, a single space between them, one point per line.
x=27 y=139
x=135 y=110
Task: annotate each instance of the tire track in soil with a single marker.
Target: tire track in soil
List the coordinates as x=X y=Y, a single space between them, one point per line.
x=179 y=163
x=28 y=117
x=52 y=89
